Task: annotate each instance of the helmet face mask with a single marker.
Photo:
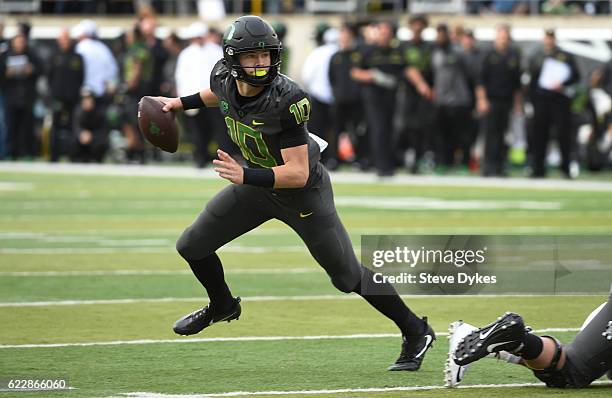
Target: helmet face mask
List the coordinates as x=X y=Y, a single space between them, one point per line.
x=247 y=34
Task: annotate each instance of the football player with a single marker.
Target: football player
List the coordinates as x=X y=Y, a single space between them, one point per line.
x=266 y=114
x=575 y=365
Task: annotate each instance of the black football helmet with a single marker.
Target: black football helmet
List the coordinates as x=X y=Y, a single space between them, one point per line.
x=249 y=33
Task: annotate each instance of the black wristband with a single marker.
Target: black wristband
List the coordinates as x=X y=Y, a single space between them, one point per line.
x=193 y=101
x=258 y=177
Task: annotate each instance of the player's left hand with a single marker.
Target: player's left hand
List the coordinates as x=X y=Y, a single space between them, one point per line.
x=228 y=168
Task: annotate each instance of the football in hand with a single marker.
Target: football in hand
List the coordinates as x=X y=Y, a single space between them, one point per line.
x=158 y=127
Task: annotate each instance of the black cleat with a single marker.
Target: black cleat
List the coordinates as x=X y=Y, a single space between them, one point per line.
x=414 y=349
x=198 y=320
x=505 y=334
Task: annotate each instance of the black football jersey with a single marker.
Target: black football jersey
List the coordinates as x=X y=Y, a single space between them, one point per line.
x=271 y=121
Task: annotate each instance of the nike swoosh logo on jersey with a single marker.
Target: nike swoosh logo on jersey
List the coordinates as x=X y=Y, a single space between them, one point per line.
x=302 y=215
x=485 y=335
x=429 y=339
x=491 y=347
x=256 y=123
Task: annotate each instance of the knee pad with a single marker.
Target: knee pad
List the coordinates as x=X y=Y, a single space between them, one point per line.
x=552 y=376
x=189 y=246
x=346 y=283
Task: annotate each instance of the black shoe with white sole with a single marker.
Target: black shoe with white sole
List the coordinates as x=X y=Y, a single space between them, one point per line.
x=414 y=349
x=505 y=334
x=200 y=319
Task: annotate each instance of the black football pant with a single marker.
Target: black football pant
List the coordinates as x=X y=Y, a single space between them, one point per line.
x=310 y=212
x=590 y=353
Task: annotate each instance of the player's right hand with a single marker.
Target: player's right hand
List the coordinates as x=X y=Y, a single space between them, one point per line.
x=171 y=104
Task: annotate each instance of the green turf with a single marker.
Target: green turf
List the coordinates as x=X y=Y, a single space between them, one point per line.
x=63 y=223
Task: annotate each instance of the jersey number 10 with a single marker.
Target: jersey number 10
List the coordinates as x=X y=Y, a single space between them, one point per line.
x=239 y=133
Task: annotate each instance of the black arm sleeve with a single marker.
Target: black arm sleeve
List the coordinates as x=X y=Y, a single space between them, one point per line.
x=295 y=136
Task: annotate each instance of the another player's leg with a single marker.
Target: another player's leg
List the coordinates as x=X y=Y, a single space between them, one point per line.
x=453 y=373
x=228 y=215
x=329 y=243
x=507 y=333
x=586 y=358
x=590 y=353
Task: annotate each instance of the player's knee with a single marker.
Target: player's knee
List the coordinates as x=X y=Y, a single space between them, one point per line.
x=344 y=283
x=189 y=247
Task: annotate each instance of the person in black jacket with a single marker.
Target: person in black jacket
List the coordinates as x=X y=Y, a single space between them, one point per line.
x=20 y=68
x=66 y=72
x=90 y=141
x=497 y=93
x=552 y=105
x=347 y=106
x=380 y=71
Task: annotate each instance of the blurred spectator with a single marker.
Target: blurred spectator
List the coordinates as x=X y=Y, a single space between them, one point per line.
x=473 y=59
x=138 y=66
x=419 y=109
x=315 y=75
x=159 y=54
x=193 y=68
x=606 y=83
x=456 y=35
x=560 y=7
x=281 y=30
x=217 y=130
x=497 y=90
x=190 y=78
x=19 y=70
x=3 y=138
x=347 y=109
x=65 y=75
x=381 y=68
x=504 y=6
x=551 y=101
x=101 y=72
x=471 y=52
x=172 y=44
x=319 y=33
x=90 y=141
x=453 y=97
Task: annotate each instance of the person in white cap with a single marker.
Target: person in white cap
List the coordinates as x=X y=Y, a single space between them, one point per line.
x=193 y=68
x=101 y=71
x=315 y=75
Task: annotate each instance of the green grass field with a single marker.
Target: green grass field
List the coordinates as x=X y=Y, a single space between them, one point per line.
x=87 y=262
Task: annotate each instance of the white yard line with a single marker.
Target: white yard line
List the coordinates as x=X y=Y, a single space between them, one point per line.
x=170 y=300
x=339 y=178
x=51 y=303
x=168 y=249
x=334 y=391
x=131 y=272
x=237 y=339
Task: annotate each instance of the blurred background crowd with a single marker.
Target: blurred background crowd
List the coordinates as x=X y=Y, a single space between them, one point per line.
x=386 y=96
